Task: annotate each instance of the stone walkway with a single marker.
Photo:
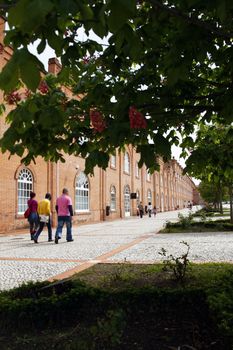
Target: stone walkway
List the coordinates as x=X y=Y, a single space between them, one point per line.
x=133 y=240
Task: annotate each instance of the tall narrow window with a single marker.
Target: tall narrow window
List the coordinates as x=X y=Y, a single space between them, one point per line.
x=149 y=196
x=136 y=170
x=126 y=163
x=113 y=161
x=82 y=193
x=137 y=198
x=148 y=176
x=24 y=187
x=127 y=200
x=113 y=198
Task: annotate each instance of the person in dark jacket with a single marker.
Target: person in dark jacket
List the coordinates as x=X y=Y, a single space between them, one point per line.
x=141 y=211
x=33 y=217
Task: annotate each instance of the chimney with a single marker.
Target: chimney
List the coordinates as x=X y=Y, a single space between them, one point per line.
x=54 y=66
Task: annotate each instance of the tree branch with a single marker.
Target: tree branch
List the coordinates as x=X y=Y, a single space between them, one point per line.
x=192 y=20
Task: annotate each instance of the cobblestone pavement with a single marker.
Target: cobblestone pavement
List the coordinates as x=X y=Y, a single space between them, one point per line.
x=132 y=240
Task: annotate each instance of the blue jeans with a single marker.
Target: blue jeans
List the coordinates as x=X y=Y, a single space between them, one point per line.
x=40 y=229
x=61 y=221
x=33 y=221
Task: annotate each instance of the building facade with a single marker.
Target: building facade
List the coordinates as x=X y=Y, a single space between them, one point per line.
x=105 y=196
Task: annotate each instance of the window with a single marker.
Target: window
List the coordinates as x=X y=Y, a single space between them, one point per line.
x=137 y=198
x=161 y=180
x=24 y=187
x=149 y=196
x=148 y=177
x=127 y=200
x=113 y=161
x=113 y=198
x=136 y=169
x=126 y=163
x=82 y=193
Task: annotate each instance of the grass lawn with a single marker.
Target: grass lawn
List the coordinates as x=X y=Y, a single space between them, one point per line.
x=122 y=307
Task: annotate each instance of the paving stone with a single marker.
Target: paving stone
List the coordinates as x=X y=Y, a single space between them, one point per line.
x=132 y=239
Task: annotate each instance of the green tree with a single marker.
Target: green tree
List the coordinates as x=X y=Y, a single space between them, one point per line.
x=166 y=65
x=211 y=193
x=211 y=158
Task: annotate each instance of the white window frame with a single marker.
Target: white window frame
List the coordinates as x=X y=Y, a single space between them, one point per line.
x=82 y=193
x=137 y=198
x=113 y=161
x=148 y=175
x=149 y=196
x=113 y=198
x=127 y=206
x=136 y=170
x=24 y=187
x=127 y=163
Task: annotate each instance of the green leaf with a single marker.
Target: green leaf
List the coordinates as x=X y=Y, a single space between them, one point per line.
x=121 y=10
x=38 y=10
x=9 y=76
x=28 y=65
x=41 y=46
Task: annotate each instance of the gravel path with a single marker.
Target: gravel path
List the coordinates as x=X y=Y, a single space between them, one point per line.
x=133 y=240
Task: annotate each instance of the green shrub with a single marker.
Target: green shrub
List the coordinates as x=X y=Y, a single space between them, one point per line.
x=220 y=299
x=185 y=221
x=178 y=265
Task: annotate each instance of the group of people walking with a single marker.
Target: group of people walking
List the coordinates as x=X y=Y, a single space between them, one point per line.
x=40 y=215
x=148 y=209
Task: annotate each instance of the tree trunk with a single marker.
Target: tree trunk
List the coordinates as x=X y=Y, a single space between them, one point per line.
x=220 y=198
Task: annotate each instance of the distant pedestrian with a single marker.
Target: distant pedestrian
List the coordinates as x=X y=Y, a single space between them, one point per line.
x=64 y=211
x=140 y=208
x=44 y=212
x=149 y=208
x=33 y=217
x=154 y=211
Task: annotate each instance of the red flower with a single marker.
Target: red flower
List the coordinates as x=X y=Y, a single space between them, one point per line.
x=13 y=98
x=86 y=60
x=137 y=120
x=43 y=87
x=28 y=93
x=97 y=121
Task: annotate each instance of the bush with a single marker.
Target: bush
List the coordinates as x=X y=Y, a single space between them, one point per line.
x=185 y=221
x=178 y=265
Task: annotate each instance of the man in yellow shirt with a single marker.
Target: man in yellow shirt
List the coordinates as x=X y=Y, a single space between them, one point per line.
x=44 y=212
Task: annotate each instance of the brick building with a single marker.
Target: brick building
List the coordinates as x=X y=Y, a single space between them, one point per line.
x=92 y=196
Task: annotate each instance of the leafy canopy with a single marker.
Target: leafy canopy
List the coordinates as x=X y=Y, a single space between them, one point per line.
x=171 y=60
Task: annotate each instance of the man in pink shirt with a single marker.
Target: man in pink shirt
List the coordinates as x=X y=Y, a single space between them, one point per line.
x=64 y=211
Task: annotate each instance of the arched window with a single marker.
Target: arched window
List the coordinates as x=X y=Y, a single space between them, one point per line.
x=161 y=180
x=126 y=163
x=148 y=176
x=113 y=198
x=136 y=170
x=24 y=187
x=138 y=198
x=149 y=196
x=81 y=193
x=113 y=161
x=127 y=200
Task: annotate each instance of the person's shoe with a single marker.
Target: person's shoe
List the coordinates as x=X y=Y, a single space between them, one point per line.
x=50 y=240
x=35 y=240
x=70 y=240
x=56 y=240
x=32 y=237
